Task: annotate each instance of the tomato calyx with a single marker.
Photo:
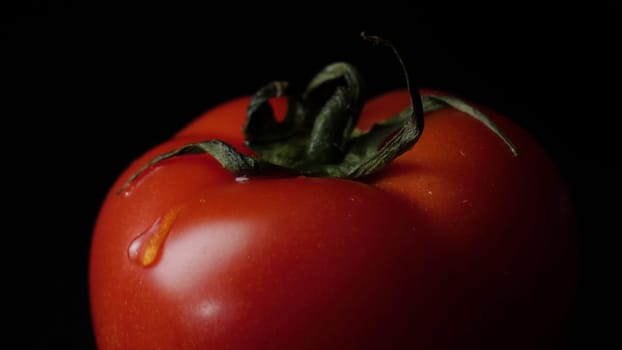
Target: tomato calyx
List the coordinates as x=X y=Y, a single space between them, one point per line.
x=317 y=136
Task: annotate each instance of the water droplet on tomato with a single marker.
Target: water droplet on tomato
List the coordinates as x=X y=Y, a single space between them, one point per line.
x=242 y=178
x=146 y=247
x=131 y=184
x=127 y=191
x=128 y=187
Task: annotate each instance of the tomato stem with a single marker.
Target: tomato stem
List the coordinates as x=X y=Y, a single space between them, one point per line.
x=317 y=136
x=318 y=123
x=413 y=91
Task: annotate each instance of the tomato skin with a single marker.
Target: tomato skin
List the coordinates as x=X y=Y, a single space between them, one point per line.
x=457 y=244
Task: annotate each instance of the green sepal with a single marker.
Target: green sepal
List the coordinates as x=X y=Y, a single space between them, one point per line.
x=317 y=136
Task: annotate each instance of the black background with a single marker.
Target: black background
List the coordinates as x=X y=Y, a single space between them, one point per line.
x=88 y=89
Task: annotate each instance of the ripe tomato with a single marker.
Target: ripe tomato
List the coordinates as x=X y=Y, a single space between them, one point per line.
x=455 y=244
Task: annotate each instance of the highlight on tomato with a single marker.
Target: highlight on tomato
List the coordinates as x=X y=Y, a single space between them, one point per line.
x=334 y=222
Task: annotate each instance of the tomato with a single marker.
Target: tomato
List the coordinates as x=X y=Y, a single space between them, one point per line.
x=455 y=244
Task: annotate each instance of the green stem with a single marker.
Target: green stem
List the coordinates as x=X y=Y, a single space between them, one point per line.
x=317 y=136
x=337 y=117
x=417 y=111
x=318 y=123
x=226 y=155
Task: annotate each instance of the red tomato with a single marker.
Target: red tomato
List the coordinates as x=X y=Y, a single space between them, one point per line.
x=456 y=244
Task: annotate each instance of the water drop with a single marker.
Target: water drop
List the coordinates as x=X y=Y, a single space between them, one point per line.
x=242 y=178
x=127 y=191
x=128 y=187
x=146 y=247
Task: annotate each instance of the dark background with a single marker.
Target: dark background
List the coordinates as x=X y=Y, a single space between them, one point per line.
x=88 y=89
